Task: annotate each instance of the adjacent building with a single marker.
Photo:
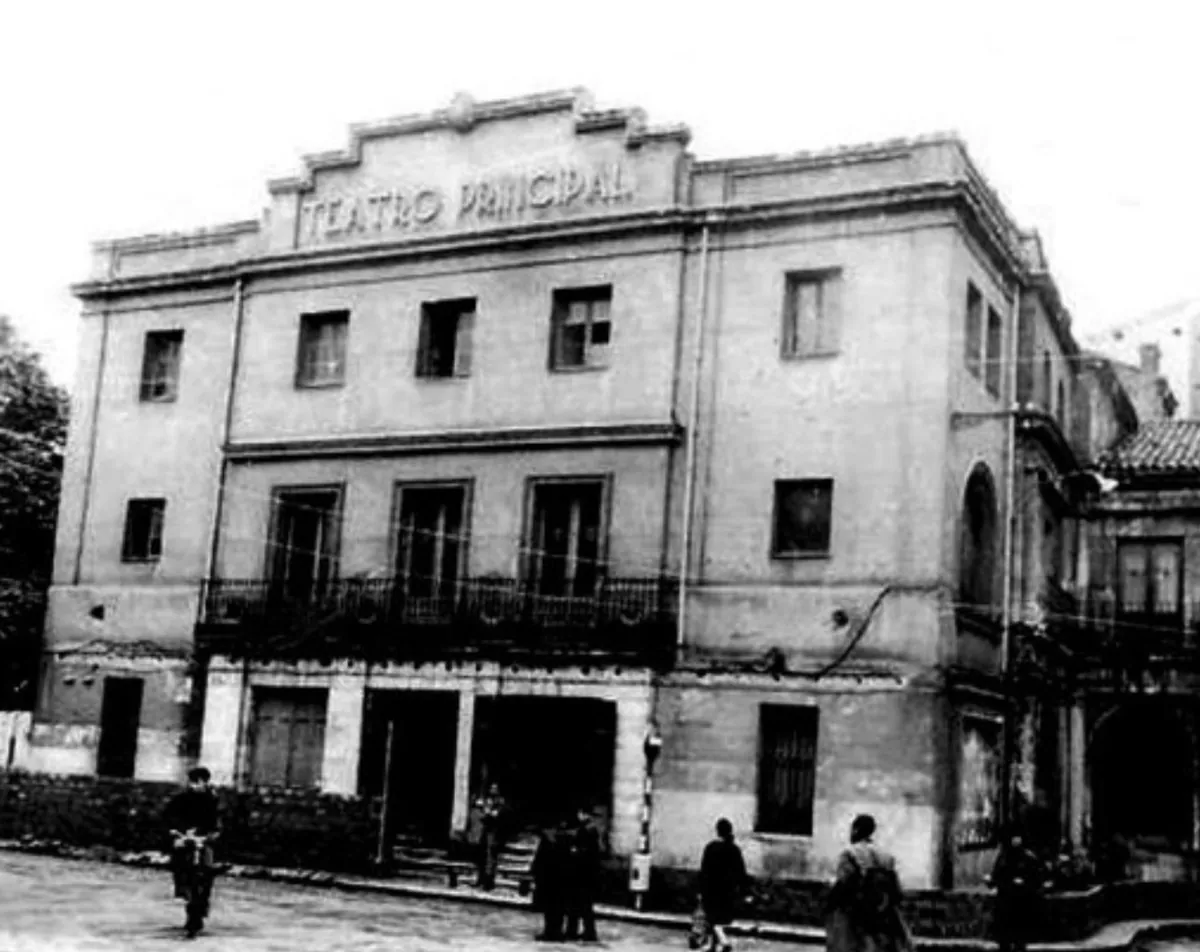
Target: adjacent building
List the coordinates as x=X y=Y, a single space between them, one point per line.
x=514 y=436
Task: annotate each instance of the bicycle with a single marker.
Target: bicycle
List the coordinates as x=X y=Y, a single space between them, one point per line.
x=195 y=875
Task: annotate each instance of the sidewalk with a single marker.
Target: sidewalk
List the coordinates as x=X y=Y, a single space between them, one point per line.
x=1116 y=937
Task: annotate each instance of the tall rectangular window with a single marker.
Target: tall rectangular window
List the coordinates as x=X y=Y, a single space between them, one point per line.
x=995 y=359
x=1150 y=577
x=787 y=769
x=160 y=366
x=321 y=355
x=447 y=332
x=431 y=538
x=565 y=545
x=811 y=313
x=287 y=737
x=974 y=330
x=581 y=328
x=305 y=540
x=803 y=516
x=143 y=530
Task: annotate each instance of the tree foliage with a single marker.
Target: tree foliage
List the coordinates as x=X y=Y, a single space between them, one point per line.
x=33 y=432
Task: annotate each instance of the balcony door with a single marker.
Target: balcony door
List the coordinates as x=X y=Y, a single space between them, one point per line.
x=305 y=542
x=430 y=545
x=566 y=537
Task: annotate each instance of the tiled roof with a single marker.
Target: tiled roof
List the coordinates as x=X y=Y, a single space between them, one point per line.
x=1170 y=447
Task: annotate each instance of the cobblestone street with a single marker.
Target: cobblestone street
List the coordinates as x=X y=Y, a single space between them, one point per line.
x=57 y=904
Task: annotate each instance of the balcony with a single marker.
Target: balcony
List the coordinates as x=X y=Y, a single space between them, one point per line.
x=1138 y=636
x=630 y=620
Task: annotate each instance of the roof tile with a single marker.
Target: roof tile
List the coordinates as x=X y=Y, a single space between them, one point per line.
x=1169 y=447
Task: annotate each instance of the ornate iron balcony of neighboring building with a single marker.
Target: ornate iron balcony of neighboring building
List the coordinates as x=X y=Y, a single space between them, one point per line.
x=398 y=619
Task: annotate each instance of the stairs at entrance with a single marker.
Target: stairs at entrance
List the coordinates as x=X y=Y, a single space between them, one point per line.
x=414 y=858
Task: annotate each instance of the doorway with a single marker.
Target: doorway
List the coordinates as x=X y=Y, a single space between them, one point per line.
x=549 y=756
x=120 y=715
x=424 y=734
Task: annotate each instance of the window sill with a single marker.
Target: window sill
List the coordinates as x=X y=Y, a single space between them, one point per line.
x=441 y=378
x=582 y=369
x=784 y=838
x=800 y=556
x=815 y=355
x=171 y=399
x=320 y=385
x=148 y=560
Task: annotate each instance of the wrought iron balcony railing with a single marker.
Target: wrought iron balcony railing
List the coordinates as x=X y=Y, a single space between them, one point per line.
x=402 y=619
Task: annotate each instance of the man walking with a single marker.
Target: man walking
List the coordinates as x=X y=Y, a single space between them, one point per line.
x=722 y=881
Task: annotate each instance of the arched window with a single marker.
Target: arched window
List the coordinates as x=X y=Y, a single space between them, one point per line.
x=977 y=545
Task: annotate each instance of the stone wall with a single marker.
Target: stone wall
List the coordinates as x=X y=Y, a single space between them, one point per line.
x=269 y=827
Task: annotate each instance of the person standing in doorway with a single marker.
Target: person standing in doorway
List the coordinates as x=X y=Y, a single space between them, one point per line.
x=492 y=813
x=864 y=904
x=722 y=882
x=549 y=869
x=1018 y=878
x=583 y=878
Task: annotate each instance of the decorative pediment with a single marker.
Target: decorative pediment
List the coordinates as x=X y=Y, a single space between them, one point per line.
x=476 y=165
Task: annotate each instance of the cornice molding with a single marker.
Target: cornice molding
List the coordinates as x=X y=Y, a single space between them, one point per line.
x=507 y=238
x=522 y=439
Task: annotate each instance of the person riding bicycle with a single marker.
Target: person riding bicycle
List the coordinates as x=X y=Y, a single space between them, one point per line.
x=195 y=811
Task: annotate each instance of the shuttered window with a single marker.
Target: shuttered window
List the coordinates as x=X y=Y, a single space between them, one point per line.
x=787 y=769
x=287 y=737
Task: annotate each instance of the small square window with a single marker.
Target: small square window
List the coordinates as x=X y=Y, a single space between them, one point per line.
x=321 y=358
x=581 y=328
x=143 y=530
x=803 y=513
x=447 y=336
x=811 y=313
x=160 y=366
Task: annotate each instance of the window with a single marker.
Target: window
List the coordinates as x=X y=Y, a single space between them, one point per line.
x=787 y=769
x=287 y=737
x=1060 y=408
x=811 y=313
x=143 y=530
x=1150 y=577
x=447 y=331
x=1047 y=381
x=803 y=511
x=977 y=543
x=302 y=553
x=431 y=540
x=321 y=361
x=582 y=328
x=565 y=537
x=995 y=360
x=160 y=366
x=974 y=336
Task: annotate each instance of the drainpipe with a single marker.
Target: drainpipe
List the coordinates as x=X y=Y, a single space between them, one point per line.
x=199 y=687
x=689 y=485
x=1006 y=616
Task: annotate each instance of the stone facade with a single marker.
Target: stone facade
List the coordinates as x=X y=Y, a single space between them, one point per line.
x=714 y=390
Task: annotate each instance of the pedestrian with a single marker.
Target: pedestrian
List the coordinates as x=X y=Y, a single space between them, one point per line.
x=722 y=883
x=582 y=878
x=1018 y=878
x=863 y=912
x=492 y=815
x=192 y=810
x=548 y=871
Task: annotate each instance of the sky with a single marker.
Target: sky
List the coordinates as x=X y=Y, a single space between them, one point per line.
x=122 y=118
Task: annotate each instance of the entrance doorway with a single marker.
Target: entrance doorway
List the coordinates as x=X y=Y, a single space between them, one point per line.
x=120 y=715
x=1139 y=792
x=424 y=730
x=549 y=756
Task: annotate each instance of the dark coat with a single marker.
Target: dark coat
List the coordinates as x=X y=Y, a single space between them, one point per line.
x=192 y=810
x=1018 y=877
x=722 y=880
x=582 y=864
x=549 y=869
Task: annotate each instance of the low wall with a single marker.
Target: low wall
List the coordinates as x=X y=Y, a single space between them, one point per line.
x=267 y=827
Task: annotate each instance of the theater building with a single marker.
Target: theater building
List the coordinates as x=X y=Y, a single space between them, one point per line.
x=514 y=434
